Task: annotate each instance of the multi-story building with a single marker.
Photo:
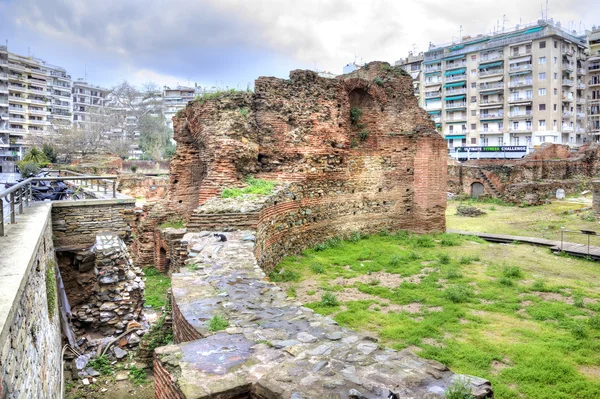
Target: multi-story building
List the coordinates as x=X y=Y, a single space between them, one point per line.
x=522 y=87
x=60 y=104
x=413 y=64
x=175 y=100
x=8 y=151
x=88 y=102
x=593 y=83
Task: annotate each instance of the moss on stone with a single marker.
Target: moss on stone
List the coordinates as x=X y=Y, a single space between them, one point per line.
x=51 y=287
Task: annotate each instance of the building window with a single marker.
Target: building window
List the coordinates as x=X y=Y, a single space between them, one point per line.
x=543 y=44
x=473 y=99
x=542 y=107
x=555 y=60
x=542 y=123
x=555 y=107
x=555 y=44
x=542 y=60
x=528 y=48
x=555 y=123
x=473 y=72
x=473 y=57
x=555 y=91
x=473 y=126
x=528 y=125
x=473 y=112
x=555 y=75
x=542 y=92
x=542 y=75
x=473 y=140
x=473 y=85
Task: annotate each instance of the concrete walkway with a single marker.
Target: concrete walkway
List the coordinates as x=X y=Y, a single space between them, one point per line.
x=570 y=248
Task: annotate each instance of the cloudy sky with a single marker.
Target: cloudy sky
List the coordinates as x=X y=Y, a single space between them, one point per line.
x=232 y=42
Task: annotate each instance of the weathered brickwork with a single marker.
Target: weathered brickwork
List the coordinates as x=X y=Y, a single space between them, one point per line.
x=30 y=343
x=353 y=153
x=77 y=223
x=540 y=173
x=152 y=188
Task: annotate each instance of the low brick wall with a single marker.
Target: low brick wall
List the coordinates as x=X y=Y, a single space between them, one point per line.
x=76 y=223
x=182 y=330
x=30 y=337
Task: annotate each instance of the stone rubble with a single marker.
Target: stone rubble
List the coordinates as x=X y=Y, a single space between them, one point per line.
x=274 y=347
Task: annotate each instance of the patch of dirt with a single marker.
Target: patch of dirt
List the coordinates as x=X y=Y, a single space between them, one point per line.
x=106 y=387
x=435 y=309
x=433 y=342
x=388 y=280
x=590 y=371
x=526 y=303
x=497 y=367
x=553 y=296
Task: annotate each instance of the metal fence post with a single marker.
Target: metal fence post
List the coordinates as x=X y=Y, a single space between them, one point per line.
x=21 y=201
x=30 y=192
x=114 y=188
x=1 y=218
x=12 y=207
x=562 y=233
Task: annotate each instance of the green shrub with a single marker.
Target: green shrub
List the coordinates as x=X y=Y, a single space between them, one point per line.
x=101 y=364
x=28 y=168
x=395 y=260
x=512 y=272
x=594 y=322
x=291 y=292
x=254 y=187
x=453 y=274
x=133 y=168
x=244 y=111
x=412 y=255
x=458 y=293
x=444 y=259
x=506 y=281
x=137 y=376
x=579 y=331
x=467 y=260
x=317 y=268
x=423 y=241
x=449 y=241
x=284 y=275
x=217 y=323
x=353 y=143
x=355 y=237
x=329 y=300
x=460 y=389
x=172 y=223
x=578 y=301
x=355 y=115
x=378 y=81
x=539 y=285
x=363 y=135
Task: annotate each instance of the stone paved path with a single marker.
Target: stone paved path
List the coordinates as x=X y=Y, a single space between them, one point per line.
x=274 y=347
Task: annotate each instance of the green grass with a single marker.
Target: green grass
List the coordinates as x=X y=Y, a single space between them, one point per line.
x=253 y=187
x=175 y=224
x=101 y=364
x=217 y=323
x=481 y=303
x=137 y=376
x=157 y=285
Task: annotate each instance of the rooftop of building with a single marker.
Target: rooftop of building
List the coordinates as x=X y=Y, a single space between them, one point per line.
x=80 y=82
x=541 y=28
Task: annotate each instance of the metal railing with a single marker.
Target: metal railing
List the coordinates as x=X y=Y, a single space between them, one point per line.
x=583 y=238
x=22 y=193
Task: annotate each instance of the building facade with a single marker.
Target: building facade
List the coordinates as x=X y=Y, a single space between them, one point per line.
x=522 y=87
x=60 y=103
x=175 y=99
x=88 y=101
x=593 y=83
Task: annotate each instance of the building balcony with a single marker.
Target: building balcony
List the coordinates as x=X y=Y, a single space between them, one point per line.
x=36 y=112
x=580 y=115
x=433 y=107
x=517 y=68
x=520 y=114
x=455 y=78
x=492 y=102
x=16 y=67
x=13 y=119
x=37 y=122
x=454 y=91
x=3 y=76
x=520 y=129
x=456 y=65
x=34 y=101
x=433 y=82
x=19 y=130
x=567 y=129
x=460 y=104
x=491 y=115
x=491 y=86
x=567 y=82
x=567 y=99
x=488 y=58
x=580 y=86
x=4 y=89
x=433 y=69
x=437 y=119
x=483 y=130
x=516 y=99
x=433 y=94
x=17 y=110
x=519 y=54
x=568 y=66
x=567 y=115
x=580 y=71
x=20 y=89
x=491 y=72
x=520 y=83
x=594 y=83
x=581 y=101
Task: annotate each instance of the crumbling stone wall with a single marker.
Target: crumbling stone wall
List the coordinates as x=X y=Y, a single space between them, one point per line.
x=118 y=290
x=539 y=173
x=383 y=169
x=30 y=341
x=151 y=188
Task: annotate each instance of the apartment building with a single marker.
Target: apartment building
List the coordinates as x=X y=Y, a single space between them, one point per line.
x=8 y=150
x=60 y=104
x=593 y=82
x=521 y=87
x=88 y=101
x=175 y=99
x=413 y=64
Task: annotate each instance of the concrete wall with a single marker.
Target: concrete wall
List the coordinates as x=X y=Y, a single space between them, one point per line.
x=30 y=338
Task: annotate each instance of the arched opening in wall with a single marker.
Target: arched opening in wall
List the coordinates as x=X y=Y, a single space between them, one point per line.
x=363 y=115
x=476 y=190
x=163 y=261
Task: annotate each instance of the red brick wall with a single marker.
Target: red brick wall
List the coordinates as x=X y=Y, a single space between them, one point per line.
x=164 y=386
x=182 y=330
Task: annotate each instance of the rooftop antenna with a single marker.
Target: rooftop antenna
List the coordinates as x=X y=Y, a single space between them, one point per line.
x=460 y=34
x=504 y=21
x=546 y=10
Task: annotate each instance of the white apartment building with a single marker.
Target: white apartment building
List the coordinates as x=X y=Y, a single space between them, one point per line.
x=175 y=99
x=593 y=83
x=60 y=104
x=521 y=87
x=8 y=150
x=88 y=99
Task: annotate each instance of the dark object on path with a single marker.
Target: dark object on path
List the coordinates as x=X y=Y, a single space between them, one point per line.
x=469 y=211
x=221 y=237
x=393 y=395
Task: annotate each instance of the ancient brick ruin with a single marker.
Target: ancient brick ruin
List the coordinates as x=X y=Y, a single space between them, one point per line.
x=532 y=179
x=382 y=169
x=351 y=154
